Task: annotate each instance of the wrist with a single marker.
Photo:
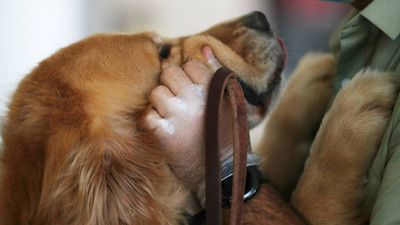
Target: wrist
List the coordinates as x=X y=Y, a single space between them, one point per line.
x=226 y=167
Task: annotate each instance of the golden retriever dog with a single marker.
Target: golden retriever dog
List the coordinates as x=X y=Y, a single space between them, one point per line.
x=73 y=152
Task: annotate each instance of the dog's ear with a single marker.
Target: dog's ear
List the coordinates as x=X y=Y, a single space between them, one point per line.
x=105 y=178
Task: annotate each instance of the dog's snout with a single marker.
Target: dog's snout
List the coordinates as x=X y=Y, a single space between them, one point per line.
x=257 y=21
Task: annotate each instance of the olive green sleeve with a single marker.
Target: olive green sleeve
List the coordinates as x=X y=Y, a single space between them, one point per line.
x=387 y=206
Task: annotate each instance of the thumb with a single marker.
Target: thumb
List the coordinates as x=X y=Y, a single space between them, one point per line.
x=212 y=61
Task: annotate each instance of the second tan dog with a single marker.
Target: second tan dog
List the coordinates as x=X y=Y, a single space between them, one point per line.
x=331 y=189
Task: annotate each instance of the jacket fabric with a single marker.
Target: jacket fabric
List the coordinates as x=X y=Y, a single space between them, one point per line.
x=370 y=39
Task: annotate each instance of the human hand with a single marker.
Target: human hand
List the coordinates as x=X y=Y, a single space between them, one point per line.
x=178 y=114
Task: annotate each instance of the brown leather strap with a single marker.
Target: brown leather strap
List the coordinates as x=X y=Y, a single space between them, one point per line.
x=241 y=144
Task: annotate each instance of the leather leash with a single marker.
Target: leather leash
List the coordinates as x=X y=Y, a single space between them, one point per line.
x=222 y=80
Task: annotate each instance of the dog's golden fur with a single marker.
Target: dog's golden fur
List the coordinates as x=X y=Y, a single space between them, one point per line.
x=73 y=153
x=66 y=140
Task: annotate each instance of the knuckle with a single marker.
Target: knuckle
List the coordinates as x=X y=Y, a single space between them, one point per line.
x=147 y=119
x=157 y=91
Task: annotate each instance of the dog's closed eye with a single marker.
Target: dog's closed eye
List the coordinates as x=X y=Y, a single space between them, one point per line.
x=164 y=51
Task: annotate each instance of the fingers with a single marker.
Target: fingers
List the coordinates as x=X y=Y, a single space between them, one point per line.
x=198 y=72
x=160 y=126
x=212 y=61
x=160 y=97
x=175 y=79
x=192 y=79
x=182 y=94
x=150 y=121
x=153 y=121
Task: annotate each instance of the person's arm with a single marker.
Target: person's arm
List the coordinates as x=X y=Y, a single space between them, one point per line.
x=177 y=118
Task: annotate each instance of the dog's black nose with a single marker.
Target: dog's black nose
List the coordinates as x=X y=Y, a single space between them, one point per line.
x=257 y=21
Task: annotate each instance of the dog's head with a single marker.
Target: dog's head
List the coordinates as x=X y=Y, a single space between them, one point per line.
x=71 y=142
x=121 y=69
x=251 y=49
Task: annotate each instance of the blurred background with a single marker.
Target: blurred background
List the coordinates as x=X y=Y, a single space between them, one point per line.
x=30 y=31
